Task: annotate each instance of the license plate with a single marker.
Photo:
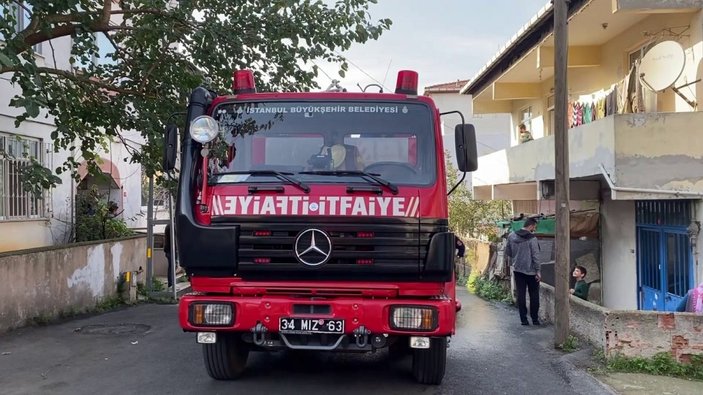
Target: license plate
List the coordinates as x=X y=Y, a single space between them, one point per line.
x=310 y=325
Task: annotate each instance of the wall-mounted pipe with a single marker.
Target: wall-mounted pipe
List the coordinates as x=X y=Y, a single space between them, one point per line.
x=646 y=190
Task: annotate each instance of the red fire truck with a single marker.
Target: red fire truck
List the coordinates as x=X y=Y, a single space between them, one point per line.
x=316 y=221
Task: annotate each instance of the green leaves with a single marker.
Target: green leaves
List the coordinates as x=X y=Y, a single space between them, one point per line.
x=130 y=74
x=5 y=60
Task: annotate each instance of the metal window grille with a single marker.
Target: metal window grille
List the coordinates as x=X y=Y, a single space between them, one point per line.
x=16 y=154
x=663 y=212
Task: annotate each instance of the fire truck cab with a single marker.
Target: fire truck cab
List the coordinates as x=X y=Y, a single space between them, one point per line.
x=316 y=221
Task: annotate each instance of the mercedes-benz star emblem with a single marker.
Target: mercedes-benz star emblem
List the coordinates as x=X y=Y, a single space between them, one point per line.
x=313 y=247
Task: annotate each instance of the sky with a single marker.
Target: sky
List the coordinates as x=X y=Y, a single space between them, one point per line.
x=443 y=40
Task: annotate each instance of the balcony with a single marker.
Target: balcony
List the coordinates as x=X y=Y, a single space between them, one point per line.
x=646 y=155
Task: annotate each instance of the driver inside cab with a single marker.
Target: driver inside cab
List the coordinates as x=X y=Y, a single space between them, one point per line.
x=335 y=155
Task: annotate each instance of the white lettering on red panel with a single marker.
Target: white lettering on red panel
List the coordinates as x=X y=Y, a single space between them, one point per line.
x=371 y=206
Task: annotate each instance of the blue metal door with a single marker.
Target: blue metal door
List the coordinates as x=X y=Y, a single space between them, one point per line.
x=664 y=257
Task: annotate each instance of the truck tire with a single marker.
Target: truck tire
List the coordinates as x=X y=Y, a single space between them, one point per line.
x=227 y=358
x=429 y=364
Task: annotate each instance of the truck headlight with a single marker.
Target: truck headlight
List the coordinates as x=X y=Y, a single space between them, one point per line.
x=414 y=318
x=204 y=129
x=211 y=314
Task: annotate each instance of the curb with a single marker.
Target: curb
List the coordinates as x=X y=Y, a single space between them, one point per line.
x=579 y=380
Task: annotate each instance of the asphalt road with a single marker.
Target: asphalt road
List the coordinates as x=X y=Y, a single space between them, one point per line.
x=142 y=350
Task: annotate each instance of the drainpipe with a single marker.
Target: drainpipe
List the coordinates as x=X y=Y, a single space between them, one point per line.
x=646 y=190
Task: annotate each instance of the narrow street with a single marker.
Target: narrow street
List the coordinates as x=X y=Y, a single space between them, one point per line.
x=141 y=349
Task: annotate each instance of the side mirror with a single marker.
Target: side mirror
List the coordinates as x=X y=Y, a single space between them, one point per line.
x=465 y=143
x=170 y=147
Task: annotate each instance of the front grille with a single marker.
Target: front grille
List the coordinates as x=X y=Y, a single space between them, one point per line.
x=322 y=309
x=397 y=246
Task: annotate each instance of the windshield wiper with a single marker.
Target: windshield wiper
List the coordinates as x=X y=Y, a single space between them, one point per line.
x=366 y=176
x=280 y=175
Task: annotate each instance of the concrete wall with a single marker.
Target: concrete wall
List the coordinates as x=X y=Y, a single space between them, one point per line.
x=647 y=150
x=646 y=333
x=698 y=217
x=659 y=150
x=477 y=254
x=491 y=130
x=589 y=145
x=630 y=333
x=619 y=258
x=46 y=281
x=586 y=319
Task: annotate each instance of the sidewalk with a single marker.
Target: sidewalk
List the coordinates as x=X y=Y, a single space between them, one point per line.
x=581 y=369
x=637 y=383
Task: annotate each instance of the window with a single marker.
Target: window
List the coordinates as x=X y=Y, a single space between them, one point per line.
x=15 y=154
x=307 y=139
x=526 y=118
x=550 y=114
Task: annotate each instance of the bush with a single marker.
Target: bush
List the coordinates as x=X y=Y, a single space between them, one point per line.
x=488 y=289
x=96 y=218
x=662 y=364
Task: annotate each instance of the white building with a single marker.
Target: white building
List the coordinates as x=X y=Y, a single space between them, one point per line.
x=490 y=128
x=26 y=221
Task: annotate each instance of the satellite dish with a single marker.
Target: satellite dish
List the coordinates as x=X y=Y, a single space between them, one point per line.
x=662 y=65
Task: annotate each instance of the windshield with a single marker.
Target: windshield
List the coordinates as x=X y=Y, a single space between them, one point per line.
x=325 y=142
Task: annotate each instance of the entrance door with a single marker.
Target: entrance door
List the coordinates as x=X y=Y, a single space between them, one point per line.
x=664 y=258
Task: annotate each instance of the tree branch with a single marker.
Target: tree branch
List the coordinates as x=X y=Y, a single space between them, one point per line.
x=105 y=17
x=78 y=78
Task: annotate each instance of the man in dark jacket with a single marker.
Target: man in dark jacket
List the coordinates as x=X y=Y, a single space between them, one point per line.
x=167 y=252
x=522 y=251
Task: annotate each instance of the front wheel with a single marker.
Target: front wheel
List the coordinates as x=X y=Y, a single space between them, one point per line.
x=227 y=358
x=429 y=364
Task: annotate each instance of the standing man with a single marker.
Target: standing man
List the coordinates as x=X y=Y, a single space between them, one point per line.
x=459 y=258
x=522 y=251
x=167 y=252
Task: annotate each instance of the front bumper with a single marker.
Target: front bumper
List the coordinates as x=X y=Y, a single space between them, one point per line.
x=372 y=315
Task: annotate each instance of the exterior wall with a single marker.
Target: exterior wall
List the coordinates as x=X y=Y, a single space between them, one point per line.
x=477 y=254
x=614 y=57
x=659 y=150
x=490 y=129
x=697 y=253
x=130 y=178
x=646 y=150
x=452 y=102
x=48 y=281
x=18 y=235
x=585 y=319
x=646 y=333
x=619 y=259
x=630 y=333
x=589 y=145
x=29 y=234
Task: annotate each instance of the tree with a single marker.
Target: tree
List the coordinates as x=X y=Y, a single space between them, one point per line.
x=468 y=216
x=160 y=50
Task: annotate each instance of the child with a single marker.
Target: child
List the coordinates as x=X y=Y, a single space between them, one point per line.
x=581 y=288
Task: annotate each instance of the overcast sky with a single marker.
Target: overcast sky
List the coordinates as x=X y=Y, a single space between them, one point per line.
x=443 y=40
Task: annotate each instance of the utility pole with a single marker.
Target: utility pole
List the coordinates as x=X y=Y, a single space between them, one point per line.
x=561 y=175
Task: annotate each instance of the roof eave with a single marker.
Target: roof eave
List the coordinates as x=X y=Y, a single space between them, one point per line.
x=532 y=34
